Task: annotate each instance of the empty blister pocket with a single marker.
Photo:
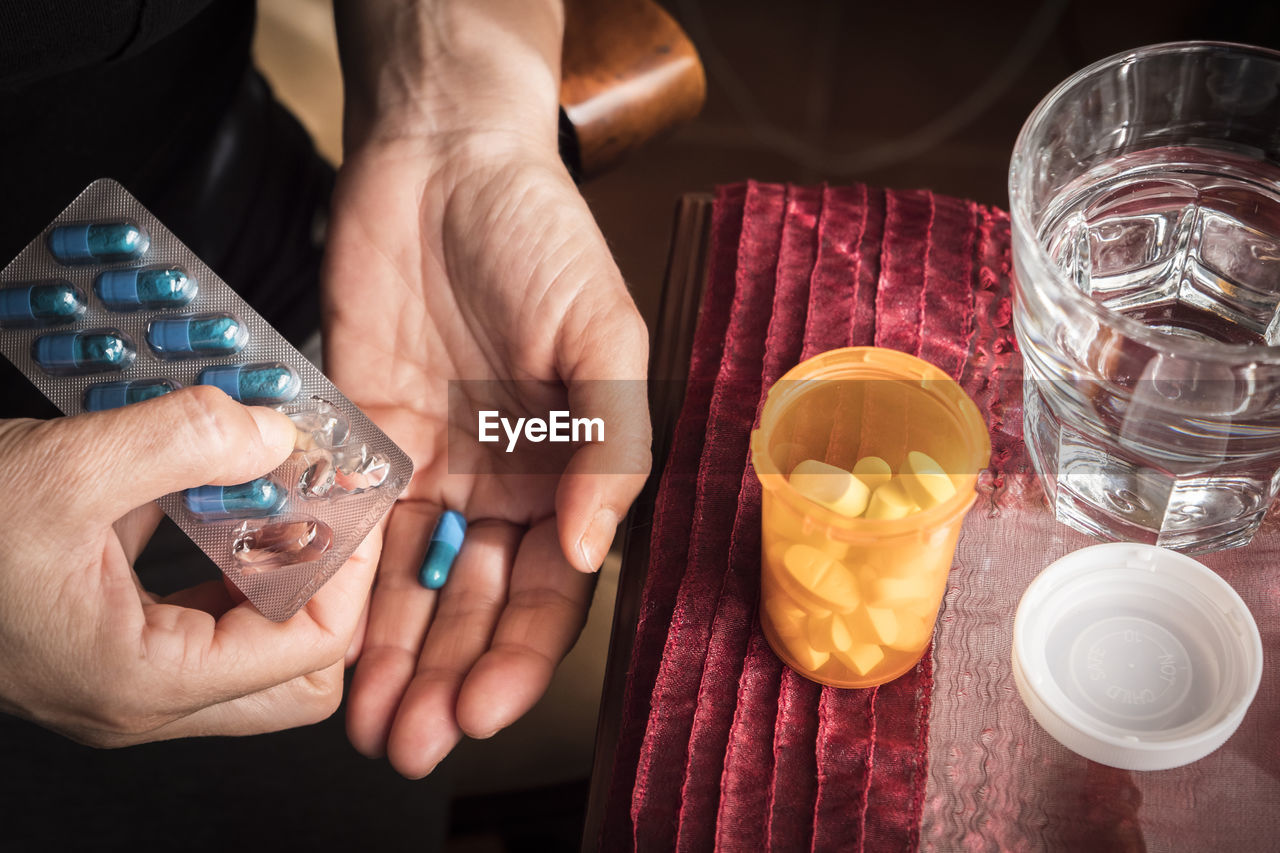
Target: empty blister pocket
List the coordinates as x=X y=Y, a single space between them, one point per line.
x=106 y=308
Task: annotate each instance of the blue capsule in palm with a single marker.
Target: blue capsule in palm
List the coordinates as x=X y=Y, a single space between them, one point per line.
x=442 y=550
x=105 y=242
x=266 y=384
x=94 y=351
x=113 y=395
x=255 y=499
x=208 y=335
x=156 y=288
x=48 y=303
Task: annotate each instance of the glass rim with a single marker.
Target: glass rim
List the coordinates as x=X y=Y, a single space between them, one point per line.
x=1020 y=214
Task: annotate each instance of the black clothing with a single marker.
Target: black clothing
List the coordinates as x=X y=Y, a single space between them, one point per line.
x=176 y=114
x=48 y=38
x=161 y=96
x=140 y=114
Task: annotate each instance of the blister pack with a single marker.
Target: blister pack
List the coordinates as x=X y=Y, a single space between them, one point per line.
x=106 y=308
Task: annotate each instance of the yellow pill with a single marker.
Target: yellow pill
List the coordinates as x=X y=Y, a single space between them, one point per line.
x=873 y=471
x=925 y=481
x=807 y=656
x=829 y=633
x=834 y=488
x=780 y=537
x=914 y=631
x=927 y=610
x=862 y=658
x=895 y=592
x=826 y=579
x=910 y=560
x=786 y=619
x=890 y=501
x=878 y=624
x=833 y=548
x=785 y=523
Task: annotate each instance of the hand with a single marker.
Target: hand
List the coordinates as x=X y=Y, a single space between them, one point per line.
x=479 y=264
x=84 y=650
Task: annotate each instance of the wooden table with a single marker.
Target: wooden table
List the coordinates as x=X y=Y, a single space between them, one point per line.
x=671 y=341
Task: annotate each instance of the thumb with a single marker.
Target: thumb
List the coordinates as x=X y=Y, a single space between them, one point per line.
x=603 y=478
x=107 y=463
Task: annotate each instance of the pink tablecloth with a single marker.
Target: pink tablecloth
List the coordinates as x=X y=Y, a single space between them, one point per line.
x=722 y=746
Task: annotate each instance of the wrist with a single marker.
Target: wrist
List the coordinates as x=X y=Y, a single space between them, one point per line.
x=446 y=70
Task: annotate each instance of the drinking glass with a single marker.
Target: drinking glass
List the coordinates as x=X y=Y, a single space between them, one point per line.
x=1145 y=202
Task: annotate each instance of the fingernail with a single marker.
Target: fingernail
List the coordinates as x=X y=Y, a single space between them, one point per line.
x=277 y=430
x=595 y=542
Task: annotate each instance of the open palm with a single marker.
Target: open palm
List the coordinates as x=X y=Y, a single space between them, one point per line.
x=488 y=270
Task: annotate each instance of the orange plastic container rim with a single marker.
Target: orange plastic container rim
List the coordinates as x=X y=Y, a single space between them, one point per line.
x=861 y=363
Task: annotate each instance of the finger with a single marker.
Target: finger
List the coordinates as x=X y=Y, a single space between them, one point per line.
x=136 y=528
x=237 y=595
x=357 y=639
x=547 y=603
x=117 y=460
x=604 y=477
x=362 y=624
x=212 y=597
x=241 y=652
x=400 y=610
x=301 y=701
x=425 y=727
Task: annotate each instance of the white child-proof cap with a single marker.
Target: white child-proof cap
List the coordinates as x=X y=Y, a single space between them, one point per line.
x=1135 y=656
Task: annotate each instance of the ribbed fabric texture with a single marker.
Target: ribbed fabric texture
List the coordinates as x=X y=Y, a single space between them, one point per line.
x=722 y=746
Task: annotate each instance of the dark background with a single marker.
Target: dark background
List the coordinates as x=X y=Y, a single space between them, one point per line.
x=895 y=94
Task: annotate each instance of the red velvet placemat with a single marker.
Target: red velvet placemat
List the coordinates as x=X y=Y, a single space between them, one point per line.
x=720 y=744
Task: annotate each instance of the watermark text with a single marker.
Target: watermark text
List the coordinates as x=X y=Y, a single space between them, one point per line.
x=557 y=427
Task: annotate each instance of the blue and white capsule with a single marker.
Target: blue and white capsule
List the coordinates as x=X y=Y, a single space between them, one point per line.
x=100 y=242
x=446 y=542
x=199 y=335
x=258 y=498
x=265 y=384
x=113 y=395
x=154 y=287
x=92 y=351
x=48 y=303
